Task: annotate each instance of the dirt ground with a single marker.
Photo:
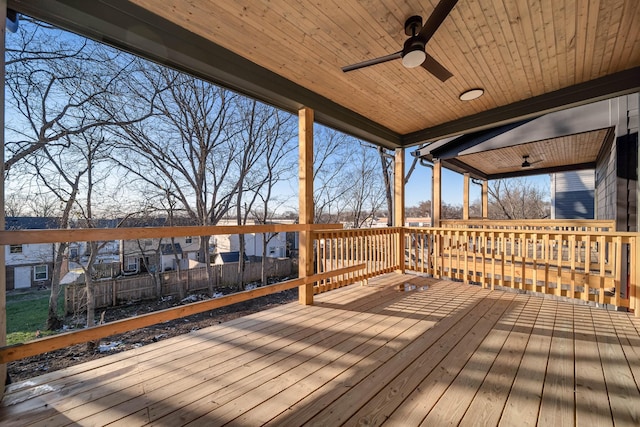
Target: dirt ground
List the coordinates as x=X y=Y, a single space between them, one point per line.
x=59 y=359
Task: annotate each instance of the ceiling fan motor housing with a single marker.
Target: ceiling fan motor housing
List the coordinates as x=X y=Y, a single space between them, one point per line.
x=415 y=48
x=413 y=25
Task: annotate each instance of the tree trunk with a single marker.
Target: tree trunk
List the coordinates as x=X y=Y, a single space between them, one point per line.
x=53 y=321
x=205 y=257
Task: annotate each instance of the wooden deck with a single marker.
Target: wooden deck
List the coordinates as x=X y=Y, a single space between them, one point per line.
x=450 y=354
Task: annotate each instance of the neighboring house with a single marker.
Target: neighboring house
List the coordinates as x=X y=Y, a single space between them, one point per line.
x=408 y=222
x=30 y=264
x=253 y=244
x=107 y=251
x=229 y=257
x=573 y=195
x=155 y=255
x=279 y=244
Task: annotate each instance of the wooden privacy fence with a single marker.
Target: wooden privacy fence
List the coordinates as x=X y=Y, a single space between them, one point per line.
x=172 y=283
x=592 y=266
x=376 y=248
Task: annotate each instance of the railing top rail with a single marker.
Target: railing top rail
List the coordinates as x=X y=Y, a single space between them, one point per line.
x=627 y=234
x=597 y=223
x=125 y=233
x=477 y=220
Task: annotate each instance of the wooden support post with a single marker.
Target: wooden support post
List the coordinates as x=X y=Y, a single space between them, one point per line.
x=437 y=193
x=485 y=199
x=305 y=196
x=635 y=274
x=465 y=197
x=3 y=275
x=398 y=203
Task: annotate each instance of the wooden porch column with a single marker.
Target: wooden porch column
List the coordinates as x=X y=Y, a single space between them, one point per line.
x=398 y=202
x=305 y=198
x=437 y=192
x=465 y=197
x=3 y=272
x=485 y=199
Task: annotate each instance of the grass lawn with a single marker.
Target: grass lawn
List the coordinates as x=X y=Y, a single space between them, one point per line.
x=27 y=313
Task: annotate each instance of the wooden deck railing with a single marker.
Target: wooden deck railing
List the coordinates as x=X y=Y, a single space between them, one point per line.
x=595 y=266
x=376 y=248
x=587 y=225
x=19 y=351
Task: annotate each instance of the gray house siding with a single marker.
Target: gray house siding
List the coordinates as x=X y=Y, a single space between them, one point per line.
x=573 y=195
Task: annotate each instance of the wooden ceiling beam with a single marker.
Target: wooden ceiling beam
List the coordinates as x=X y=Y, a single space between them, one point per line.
x=617 y=84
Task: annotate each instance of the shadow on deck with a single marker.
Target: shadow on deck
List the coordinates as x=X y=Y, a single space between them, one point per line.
x=451 y=353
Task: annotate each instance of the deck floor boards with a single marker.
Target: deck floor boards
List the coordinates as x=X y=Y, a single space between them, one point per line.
x=364 y=355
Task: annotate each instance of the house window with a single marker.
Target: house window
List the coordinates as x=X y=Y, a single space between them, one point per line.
x=40 y=273
x=132 y=263
x=148 y=242
x=188 y=239
x=15 y=249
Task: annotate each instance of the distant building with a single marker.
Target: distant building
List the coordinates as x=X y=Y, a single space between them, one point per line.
x=29 y=264
x=408 y=222
x=229 y=257
x=157 y=255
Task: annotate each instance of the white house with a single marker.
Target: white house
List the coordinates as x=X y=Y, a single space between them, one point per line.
x=253 y=244
x=29 y=265
x=155 y=255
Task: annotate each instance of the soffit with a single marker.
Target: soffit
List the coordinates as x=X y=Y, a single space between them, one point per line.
x=569 y=152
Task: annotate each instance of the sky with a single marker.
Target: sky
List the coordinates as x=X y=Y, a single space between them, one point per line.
x=419 y=186
x=416 y=190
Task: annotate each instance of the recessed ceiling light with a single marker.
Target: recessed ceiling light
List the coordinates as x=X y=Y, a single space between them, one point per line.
x=471 y=94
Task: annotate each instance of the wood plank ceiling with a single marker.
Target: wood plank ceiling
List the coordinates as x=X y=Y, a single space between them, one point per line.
x=570 y=152
x=513 y=49
x=529 y=56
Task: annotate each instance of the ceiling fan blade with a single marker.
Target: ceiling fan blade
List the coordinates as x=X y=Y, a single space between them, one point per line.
x=374 y=61
x=434 y=67
x=438 y=16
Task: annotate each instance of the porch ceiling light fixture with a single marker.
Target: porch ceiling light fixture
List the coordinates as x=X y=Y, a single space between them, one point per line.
x=471 y=94
x=413 y=54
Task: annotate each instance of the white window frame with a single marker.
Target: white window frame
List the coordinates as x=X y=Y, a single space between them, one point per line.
x=134 y=265
x=16 y=249
x=36 y=273
x=188 y=240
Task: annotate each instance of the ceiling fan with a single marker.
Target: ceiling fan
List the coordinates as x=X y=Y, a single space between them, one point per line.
x=526 y=163
x=414 y=54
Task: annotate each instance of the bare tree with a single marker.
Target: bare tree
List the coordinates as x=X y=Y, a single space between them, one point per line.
x=15 y=204
x=366 y=197
x=347 y=185
x=186 y=150
x=387 y=168
x=264 y=135
x=450 y=211
x=331 y=180
x=58 y=86
x=517 y=198
x=422 y=210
